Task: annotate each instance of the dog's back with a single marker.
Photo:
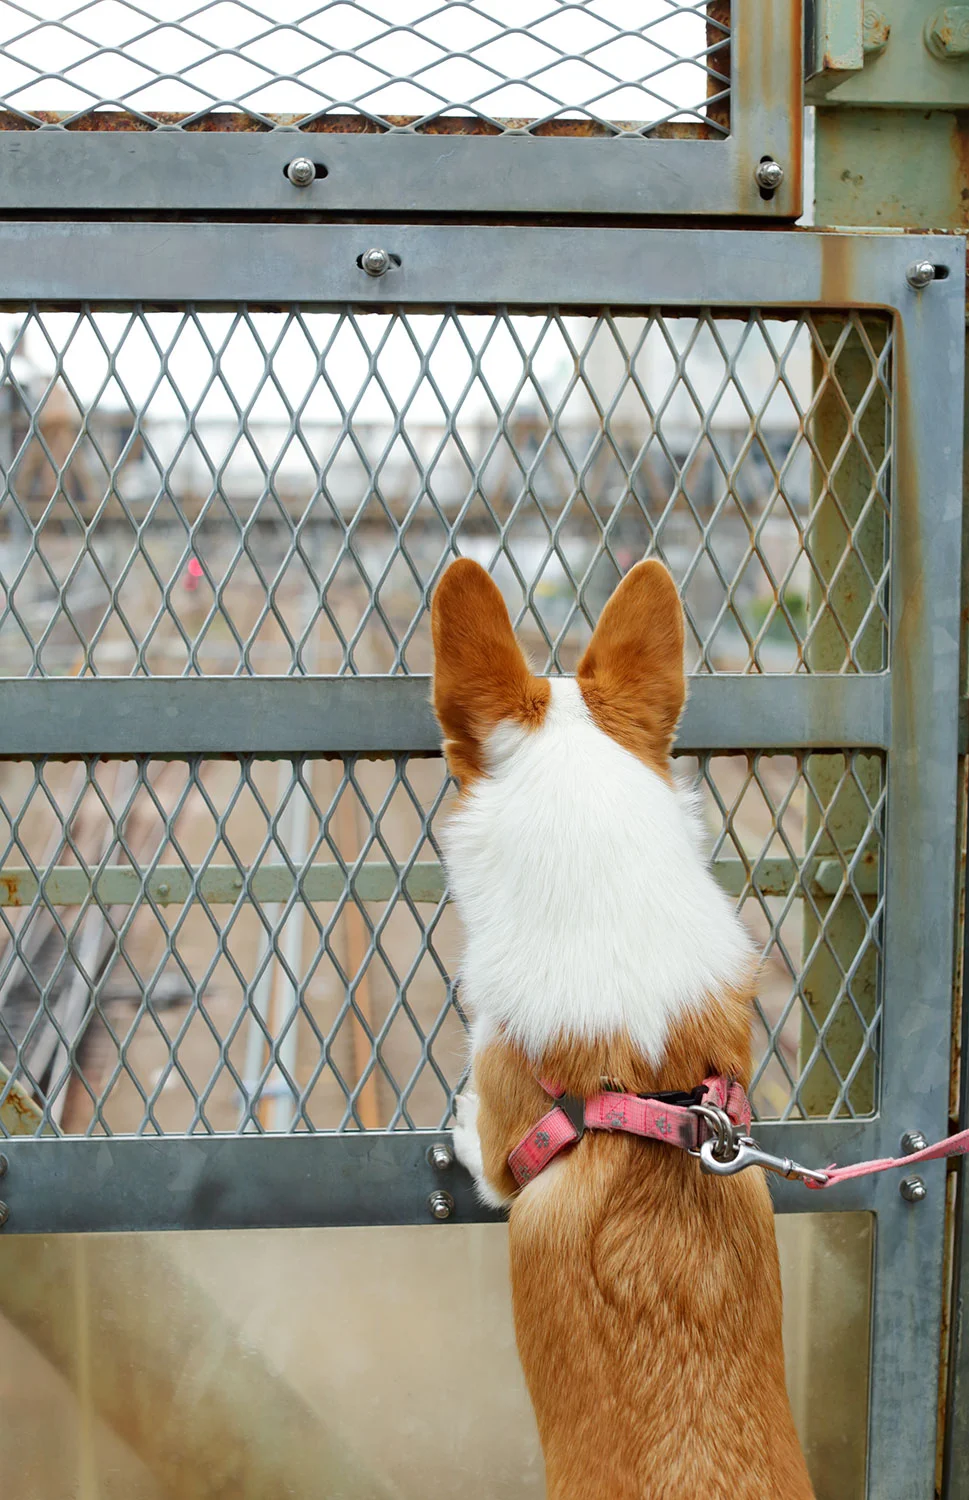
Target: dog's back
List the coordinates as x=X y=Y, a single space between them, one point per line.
x=600 y=951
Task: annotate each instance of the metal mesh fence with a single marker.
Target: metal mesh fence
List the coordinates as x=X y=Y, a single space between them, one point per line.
x=254 y=492
x=536 y=66
x=225 y=945
x=241 y=944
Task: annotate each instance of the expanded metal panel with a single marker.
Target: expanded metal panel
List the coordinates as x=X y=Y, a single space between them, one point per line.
x=197 y=493
x=223 y=946
x=673 y=104
x=393 y=66
x=232 y=946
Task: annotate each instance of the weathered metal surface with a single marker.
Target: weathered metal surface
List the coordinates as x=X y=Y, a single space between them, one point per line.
x=876 y=31
x=835 y=43
x=901 y=72
x=231 y=122
x=863 y=179
x=381 y=715
x=19 y=1114
x=947 y=33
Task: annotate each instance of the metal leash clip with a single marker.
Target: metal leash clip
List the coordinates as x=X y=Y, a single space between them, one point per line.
x=743 y=1151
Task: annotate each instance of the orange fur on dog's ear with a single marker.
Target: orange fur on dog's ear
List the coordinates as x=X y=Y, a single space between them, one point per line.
x=480 y=674
x=631 y=674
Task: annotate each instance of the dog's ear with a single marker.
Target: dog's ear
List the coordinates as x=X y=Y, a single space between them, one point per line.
x=631 y=674
x=480 y=675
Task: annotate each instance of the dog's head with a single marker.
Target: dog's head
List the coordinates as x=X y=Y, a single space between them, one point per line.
x=631 y=676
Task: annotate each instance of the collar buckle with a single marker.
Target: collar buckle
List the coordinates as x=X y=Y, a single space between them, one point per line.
x=573 y=1107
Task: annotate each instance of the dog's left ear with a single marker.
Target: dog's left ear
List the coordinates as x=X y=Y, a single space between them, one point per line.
x=481 y=678
x=631 y=674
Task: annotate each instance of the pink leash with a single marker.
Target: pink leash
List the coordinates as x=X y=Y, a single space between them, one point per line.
x=712 y=1123
x=951 y=1145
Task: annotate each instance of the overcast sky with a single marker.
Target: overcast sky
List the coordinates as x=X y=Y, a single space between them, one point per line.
x=339 y=53
x=573 y=51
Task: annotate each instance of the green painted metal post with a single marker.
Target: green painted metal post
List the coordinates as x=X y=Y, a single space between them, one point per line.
x=847 y=540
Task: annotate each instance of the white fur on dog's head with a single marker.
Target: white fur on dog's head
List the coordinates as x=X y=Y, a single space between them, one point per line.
x=587 y=903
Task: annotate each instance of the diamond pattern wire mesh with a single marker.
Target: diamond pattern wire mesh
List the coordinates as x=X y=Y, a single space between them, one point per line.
x=535 y=66
x=248 y=945
x=249 y=492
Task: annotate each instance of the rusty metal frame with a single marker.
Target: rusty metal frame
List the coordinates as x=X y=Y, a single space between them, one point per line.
x=374 y=1178
x=214 y=169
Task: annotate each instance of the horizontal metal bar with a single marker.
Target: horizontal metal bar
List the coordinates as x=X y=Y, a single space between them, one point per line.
x=167 y=716
x=224 y=171
x=219 y=885
x=222 y=885
x=467 y=266
x=365 y=1178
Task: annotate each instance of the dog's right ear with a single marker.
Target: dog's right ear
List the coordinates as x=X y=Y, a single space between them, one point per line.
x=481 y=677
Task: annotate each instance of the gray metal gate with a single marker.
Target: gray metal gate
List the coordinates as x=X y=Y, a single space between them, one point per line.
x=196 y=1091
x=234 y=466
x=544 y=106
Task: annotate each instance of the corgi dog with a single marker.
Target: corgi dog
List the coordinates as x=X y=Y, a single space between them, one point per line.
x=601 y=954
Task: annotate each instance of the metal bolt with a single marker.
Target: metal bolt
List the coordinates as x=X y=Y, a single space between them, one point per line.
x=440 y=1157
x=876 y=29
x=769 y=175
x=163 y=888
x=237 y=882
x=4 y=1164
x=441 y=1204
x=920 y=273
x=912 y=1189
x=4 y=1214
x=375 y=262
x=301 y=171
x=947 y=33
x=913 y=1140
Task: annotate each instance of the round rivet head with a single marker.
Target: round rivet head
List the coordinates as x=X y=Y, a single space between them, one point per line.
x=912 y=1189
x=769 y=175
x=441 y=1204
x=912 y=1140
x=301 y=171
x=375 y=262
x=163 y=888
x=920 y=273
x=440 y=1157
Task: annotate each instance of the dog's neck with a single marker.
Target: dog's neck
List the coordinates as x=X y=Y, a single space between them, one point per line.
x=587 y=904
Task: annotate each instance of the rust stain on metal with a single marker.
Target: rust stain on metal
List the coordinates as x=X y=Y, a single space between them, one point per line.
x=837 y=270
x=10 y=892
x=795 y=83
x=719 y=59
x=20 y=1115
x=877 y=30
x=235 y=122
x=959 y=146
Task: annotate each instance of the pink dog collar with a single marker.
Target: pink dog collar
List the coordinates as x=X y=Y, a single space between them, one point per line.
x=676 y=1119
